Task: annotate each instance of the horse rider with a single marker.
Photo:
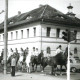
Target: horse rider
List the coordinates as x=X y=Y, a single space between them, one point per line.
x=36 y=52
x=10 y=54
x=21 y=54
x=59 y=50
x=26 y=53
x=33 y=52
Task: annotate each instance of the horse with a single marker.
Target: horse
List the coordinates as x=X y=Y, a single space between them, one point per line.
x=36 y=60
x=28 y=61
x=20 y=59
x=59 y=59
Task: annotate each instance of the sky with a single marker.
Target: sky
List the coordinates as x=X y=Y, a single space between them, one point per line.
x=27 y=5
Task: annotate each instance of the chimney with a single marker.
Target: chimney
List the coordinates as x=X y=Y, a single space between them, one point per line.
x=70 y=12
x=19 y=13
x=40 y=5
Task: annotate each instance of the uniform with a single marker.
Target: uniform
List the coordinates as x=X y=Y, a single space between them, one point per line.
x=13 y=64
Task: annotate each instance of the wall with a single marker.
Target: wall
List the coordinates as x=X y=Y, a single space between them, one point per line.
x=53 y=42
x=32 y=41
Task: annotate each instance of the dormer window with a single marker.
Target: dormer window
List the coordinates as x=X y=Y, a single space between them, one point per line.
x=62 y=17
x=29 y=17
x=10 y=22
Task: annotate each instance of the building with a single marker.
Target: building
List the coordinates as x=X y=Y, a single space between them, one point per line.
x=41 y=28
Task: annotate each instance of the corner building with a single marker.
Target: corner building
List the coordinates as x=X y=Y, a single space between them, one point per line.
x=41 y=28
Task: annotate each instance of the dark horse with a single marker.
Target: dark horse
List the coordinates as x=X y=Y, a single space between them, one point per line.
x=36 y=60
x=59 y=59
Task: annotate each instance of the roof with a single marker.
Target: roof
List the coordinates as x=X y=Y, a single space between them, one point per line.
x=45 y=12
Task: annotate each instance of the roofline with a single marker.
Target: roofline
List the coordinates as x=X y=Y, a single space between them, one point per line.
x=19 y=24
x=60 y=22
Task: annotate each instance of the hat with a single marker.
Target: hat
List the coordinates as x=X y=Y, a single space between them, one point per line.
x=60 y=46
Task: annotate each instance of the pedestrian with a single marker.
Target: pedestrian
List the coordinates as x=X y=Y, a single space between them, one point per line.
x=13 y=64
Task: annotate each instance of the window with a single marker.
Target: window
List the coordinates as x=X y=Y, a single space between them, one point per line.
x=48 y=31
x=21 y=33
x=34 y=32
x=11 y=35
x=75 y=50
x=48 y=50
x=0 y=37
x=75 y=31
x=29 y=17
x=16 y=34
x=58 y=33
x=3 y=36
x=27 y=33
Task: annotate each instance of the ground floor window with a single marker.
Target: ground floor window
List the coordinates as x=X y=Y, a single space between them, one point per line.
x=48 y=50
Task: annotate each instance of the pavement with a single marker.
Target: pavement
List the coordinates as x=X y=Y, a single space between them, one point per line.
x=30 y=76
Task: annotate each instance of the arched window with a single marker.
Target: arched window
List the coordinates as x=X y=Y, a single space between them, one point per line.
x=48 y=50
x=75 y=50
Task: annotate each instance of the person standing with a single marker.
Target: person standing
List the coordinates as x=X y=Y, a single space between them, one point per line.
x=13 y=64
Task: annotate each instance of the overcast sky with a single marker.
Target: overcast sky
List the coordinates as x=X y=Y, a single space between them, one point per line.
x=27 y=5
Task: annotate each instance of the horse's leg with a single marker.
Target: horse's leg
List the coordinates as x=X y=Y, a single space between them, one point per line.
x=60 y=70
x=66 y=68
x=36 y=68
x=22 y=67
x=52 y=70
x=29 y=70
x=32 y=67
x=42 y=69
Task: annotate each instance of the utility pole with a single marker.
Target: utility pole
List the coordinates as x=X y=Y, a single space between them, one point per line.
x=68 y=62
x=5 y=36
x=68 y=36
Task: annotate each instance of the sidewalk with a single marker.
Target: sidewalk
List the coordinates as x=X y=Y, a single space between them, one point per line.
x=32 y=76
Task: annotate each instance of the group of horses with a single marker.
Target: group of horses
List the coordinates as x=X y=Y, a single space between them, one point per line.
x=26 y=58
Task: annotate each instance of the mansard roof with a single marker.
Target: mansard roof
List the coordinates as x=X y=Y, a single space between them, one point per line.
x=44 y=13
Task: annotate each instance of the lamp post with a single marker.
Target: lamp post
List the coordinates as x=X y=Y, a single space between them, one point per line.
x=5 y=36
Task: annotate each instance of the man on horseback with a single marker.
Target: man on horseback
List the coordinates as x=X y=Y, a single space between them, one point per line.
x=10 y=54
x=58 y=50
x=21 y=58
x=36 y=52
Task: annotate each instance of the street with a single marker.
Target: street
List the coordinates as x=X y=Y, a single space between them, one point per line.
x=31 y=76
x=37 y=76
x=75 y=76
x=46 y=75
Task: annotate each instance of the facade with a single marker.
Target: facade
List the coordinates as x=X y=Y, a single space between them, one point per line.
x=41 y=29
